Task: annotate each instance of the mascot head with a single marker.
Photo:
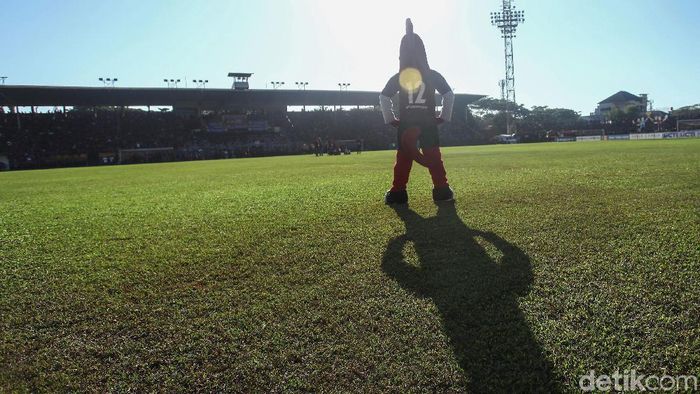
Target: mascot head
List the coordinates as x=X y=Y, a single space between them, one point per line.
x=412 y=51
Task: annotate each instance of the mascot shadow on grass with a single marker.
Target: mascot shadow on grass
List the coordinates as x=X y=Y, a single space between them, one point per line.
x=475 y=279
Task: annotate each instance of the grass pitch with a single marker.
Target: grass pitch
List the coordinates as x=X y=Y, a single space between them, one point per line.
x=289 y=274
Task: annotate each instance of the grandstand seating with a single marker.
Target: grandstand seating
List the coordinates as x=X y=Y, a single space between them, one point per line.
x=95 y=136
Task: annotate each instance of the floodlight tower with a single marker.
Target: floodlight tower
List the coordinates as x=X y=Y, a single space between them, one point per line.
x=507 y=20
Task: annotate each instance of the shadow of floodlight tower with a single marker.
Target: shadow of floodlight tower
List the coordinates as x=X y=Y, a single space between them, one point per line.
x=507 y=20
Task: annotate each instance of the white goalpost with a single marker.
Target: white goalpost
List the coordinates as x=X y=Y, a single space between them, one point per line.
x=693 y=123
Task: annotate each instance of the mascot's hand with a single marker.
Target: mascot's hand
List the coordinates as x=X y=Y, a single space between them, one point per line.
x=395 y=123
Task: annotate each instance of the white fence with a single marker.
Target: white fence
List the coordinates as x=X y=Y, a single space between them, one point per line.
x=587 y=138
x=647 y=136
x=640 y=136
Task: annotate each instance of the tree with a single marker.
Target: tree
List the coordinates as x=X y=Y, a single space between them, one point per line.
x=490 y=105
x=532 y=124
x=625 y=119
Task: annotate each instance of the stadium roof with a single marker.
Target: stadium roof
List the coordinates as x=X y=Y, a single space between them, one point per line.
x=621 y=97
x=24 y=95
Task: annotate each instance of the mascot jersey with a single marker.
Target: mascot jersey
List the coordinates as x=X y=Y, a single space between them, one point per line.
x=415 y=83
x=417 y=95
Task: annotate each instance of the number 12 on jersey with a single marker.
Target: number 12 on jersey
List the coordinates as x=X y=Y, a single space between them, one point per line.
x=418 y=99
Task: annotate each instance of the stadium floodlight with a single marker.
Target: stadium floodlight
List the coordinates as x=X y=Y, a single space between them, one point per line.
x=107 y=81
x=276 y=84
x=507 y=20
x=343 y=86
x=172 y=83
x=200 y=83
x=3 y=79
x=302 y=86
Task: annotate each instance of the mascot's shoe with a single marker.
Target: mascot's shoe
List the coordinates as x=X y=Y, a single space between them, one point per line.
x=444 y=193
x=400 y=197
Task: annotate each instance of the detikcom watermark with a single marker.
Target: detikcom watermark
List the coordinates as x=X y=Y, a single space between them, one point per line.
x=631 y=380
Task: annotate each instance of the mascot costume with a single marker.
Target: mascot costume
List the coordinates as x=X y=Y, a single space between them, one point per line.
x=417 y=124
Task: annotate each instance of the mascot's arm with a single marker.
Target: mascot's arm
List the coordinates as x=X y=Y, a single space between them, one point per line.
x=448 y=96
x=448 y=101
x=385 y=104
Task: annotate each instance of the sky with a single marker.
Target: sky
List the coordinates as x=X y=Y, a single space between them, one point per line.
x=569 y=54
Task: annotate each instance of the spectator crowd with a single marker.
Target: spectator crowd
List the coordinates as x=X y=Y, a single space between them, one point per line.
x=96 y=136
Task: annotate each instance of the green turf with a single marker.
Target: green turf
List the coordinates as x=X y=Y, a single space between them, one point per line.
x=289 y=274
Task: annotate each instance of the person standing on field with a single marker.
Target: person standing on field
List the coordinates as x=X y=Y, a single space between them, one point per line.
x=417 y=124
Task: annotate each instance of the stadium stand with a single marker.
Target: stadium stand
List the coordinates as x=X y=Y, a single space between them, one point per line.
x=102 y=129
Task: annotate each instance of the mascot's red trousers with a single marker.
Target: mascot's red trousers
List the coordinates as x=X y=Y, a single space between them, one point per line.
x=409 y=139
